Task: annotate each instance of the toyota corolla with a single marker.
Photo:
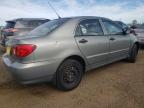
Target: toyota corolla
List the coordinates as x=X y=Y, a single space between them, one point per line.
x=62 y=50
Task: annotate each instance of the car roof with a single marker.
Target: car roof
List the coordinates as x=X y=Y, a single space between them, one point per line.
x=119 y=22
x=28 y=19
x=85 y=17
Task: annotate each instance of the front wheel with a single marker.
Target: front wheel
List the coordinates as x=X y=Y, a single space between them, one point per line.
x=133 y=54
x=69 y=74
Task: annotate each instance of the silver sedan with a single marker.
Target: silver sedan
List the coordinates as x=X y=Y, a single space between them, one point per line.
x=62 y=50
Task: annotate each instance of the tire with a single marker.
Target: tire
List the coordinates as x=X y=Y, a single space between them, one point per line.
x=133 y=54
x=69 y=75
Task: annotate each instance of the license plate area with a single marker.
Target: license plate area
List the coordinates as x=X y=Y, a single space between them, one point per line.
x=9 y=50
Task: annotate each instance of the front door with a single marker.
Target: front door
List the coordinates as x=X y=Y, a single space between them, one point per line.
x=118 y=41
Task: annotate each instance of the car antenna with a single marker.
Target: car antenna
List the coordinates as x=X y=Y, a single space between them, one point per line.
x=54 y=9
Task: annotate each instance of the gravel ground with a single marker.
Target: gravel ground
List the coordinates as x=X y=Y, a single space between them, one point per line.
x=118 y=85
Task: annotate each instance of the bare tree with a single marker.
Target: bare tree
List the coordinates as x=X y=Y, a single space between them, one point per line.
x=134 y=22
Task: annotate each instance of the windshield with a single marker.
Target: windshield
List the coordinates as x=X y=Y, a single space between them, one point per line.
x=47 y=27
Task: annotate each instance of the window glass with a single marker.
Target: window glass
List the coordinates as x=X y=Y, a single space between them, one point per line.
x=90 y=27
x=47 y=27
x=10 y=24
x=112 y=28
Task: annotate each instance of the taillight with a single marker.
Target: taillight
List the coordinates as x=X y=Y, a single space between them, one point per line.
x=23 y=50
x=11 y=30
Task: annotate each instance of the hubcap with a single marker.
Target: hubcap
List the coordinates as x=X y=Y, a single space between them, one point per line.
x=70 y=75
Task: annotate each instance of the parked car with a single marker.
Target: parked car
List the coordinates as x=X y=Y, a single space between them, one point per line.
x=62 y=50
x=139 y=31
x=20 y=26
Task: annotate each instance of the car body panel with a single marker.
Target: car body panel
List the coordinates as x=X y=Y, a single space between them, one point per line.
x=96 y=50
x=119 y=47
x=31 y=72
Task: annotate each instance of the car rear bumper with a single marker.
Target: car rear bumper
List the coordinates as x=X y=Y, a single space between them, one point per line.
x=31 y=72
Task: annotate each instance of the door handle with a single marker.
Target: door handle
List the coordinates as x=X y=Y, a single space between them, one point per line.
x=83 y=41
x=112 y=39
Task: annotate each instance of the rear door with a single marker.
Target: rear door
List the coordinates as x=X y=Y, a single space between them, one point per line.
x=92 y=42
x=118 y=41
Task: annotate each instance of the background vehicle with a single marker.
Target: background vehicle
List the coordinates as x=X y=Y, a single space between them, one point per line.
x=139 y=30
x=20 y=26
x=62 y=50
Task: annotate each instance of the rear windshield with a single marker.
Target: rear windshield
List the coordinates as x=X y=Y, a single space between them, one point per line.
x=10 y=24
x=29 y=24
x=47 y=27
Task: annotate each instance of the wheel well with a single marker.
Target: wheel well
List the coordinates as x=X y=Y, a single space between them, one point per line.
x=78 y=58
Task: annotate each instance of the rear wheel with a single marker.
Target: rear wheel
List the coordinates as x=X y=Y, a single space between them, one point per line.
x=133 y=54
x=69 y=74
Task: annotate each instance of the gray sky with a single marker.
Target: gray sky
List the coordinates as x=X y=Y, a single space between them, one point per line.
x=125 y=10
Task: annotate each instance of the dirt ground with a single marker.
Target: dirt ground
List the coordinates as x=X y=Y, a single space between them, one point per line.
x=118 y=85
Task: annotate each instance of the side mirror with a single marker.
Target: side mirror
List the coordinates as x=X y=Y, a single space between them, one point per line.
x=125 y=30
